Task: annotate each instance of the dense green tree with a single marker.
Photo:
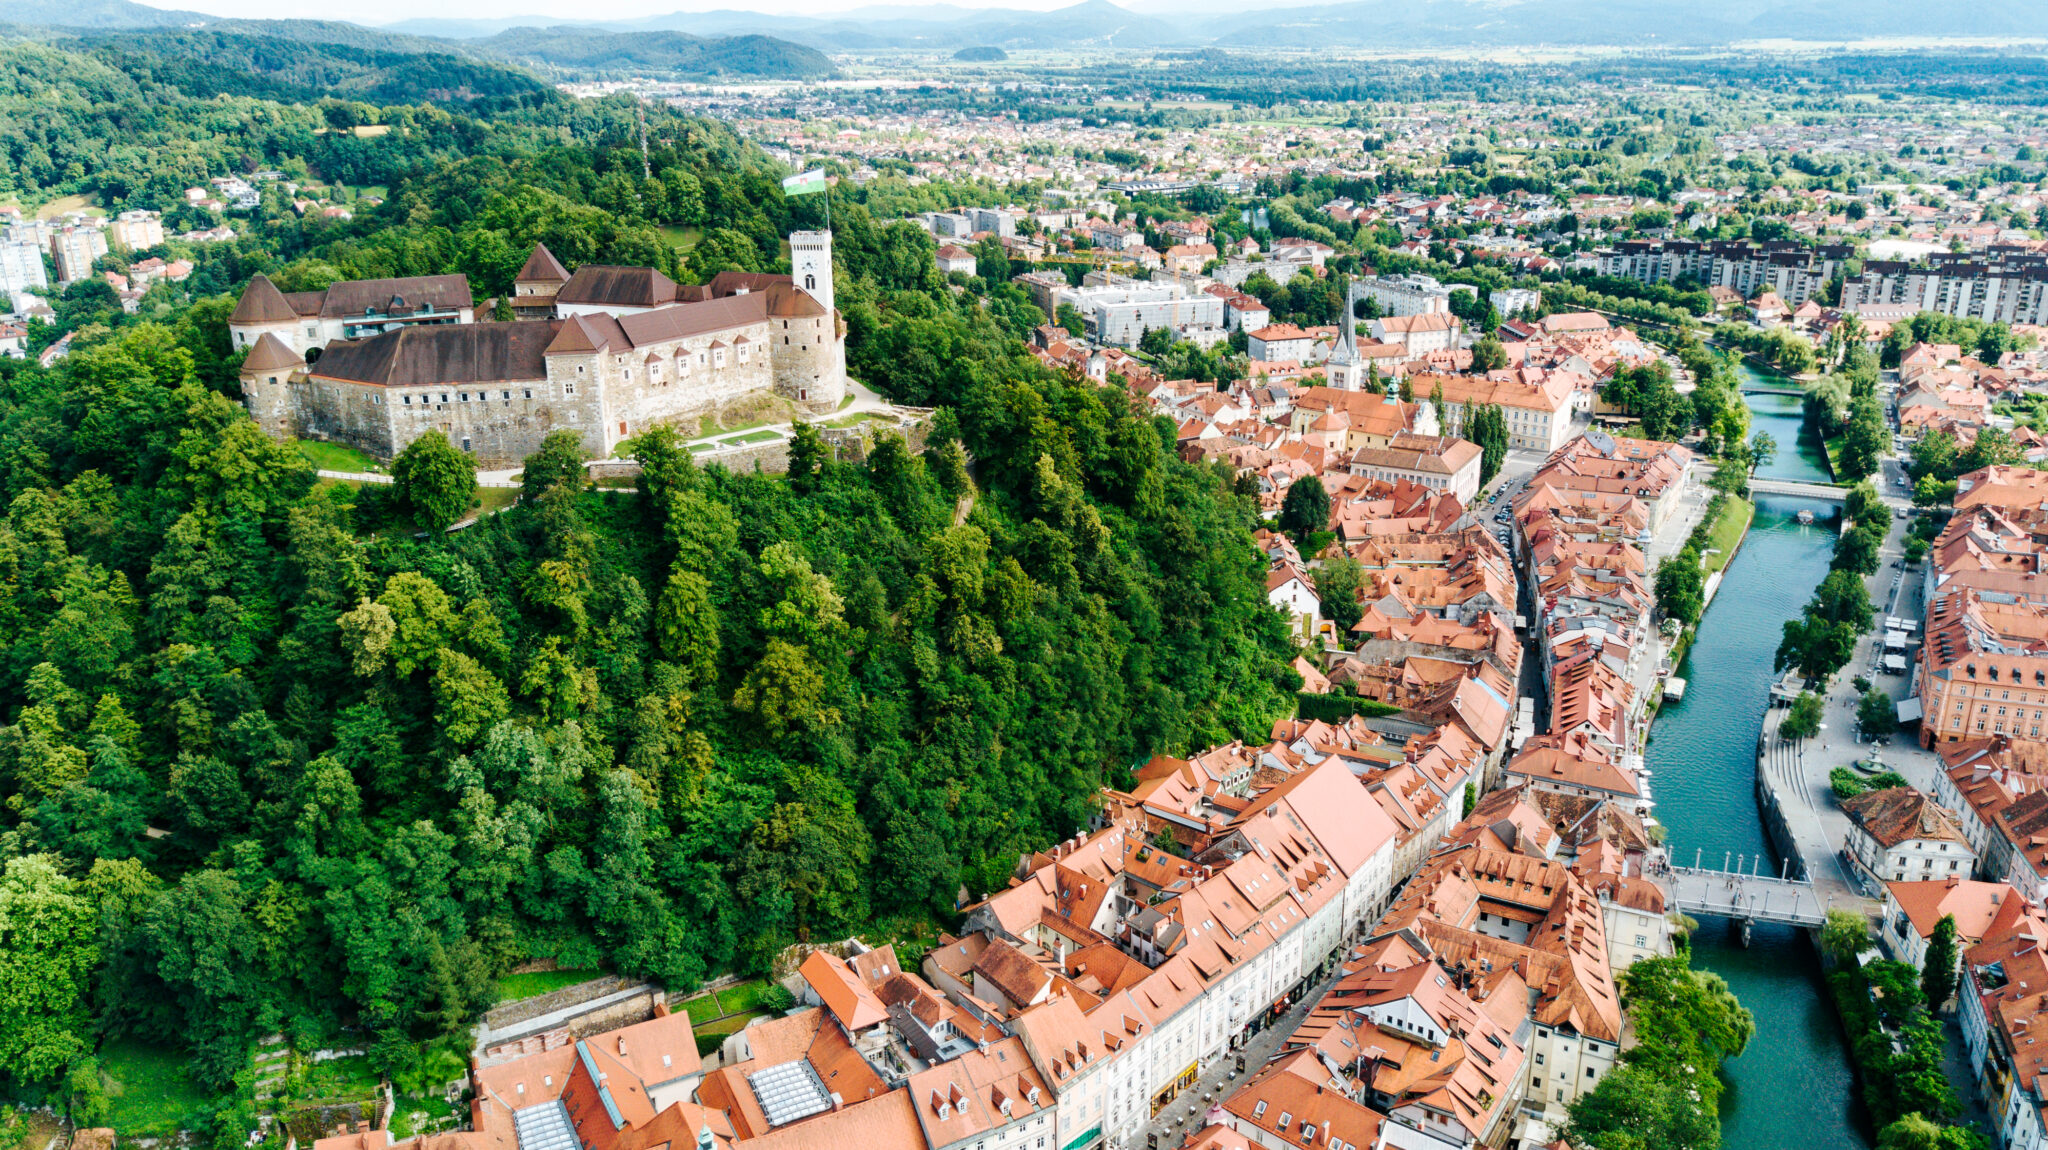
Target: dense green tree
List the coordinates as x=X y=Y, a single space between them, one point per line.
x=558 y=462
x=1636 y=1109
x=1865 y=441
x=48 y=949
x=1305 y=509
x=1681 y=587
x=1803 y=720
x=1844 y=936
x=1762 y=449
x=433 y=481
x=1338 y=582
x=1915 y=1132
x=1875 y=713
x=1939 y=970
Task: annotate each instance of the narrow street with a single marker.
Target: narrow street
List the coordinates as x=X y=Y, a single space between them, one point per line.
x=1183 y=1115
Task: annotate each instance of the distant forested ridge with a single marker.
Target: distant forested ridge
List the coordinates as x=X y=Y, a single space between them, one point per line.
x=586 y=51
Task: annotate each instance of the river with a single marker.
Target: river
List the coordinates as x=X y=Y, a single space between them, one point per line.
x=1792 y=1088
x=1800 y=454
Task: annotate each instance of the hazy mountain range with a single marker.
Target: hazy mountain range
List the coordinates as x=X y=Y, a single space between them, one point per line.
x=551 y=41
x=1376 y=23
x=343 y=57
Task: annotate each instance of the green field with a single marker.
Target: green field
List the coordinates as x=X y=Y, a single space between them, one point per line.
x=1727 y=532
x=533 y=983
x=750 y=437
x=681 y=239
x=152 y=1094
x=335 y=457
x=492 y=500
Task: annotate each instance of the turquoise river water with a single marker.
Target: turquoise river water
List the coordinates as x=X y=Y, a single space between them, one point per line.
x=1792 y=1089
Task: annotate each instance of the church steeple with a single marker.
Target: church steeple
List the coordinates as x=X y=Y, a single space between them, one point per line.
x=1346 y=368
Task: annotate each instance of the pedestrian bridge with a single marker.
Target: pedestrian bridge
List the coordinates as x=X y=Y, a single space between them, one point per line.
x=1746 y=898
x=1761 y=486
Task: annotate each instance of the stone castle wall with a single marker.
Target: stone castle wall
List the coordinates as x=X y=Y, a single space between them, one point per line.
x=500 y=423
x=605 y=397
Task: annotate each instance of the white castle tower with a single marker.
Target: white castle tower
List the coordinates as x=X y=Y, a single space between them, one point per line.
x=810 y=264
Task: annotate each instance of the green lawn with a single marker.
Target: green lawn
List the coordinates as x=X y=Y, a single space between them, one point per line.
x=709 y=426
x=702 y=1009
x=1727 y=531
x=750 y=437
x=863 y=417
x=153 y=1095
x=341 y=1079
x=1834 y=447
x=335 y=457
x=495 y=499
x=712 y=1035
x=746 y=997
x=533 y=983
x=681 y=239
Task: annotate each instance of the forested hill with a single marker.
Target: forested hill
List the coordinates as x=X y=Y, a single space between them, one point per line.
x=211 y=61
x=587 y=51
x=273 y=760
x=305 y=60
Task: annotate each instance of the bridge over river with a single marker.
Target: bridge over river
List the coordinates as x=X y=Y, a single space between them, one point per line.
x=1827 y=491
x=1746 y=898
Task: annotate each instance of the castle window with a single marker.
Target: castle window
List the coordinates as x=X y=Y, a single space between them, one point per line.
x=718 y=358
x=408 y=401
x=810 y=283
x=444 y=397
x=569 y=388
x=529 y=393
x=464 y=395
x=465 y=443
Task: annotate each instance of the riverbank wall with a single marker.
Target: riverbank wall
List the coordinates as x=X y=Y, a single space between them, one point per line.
x=1770 y=807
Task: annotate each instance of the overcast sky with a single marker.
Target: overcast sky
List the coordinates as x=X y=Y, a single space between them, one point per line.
x=388 y=11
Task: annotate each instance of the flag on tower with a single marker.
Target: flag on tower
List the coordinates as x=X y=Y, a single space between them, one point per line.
x=804 y=183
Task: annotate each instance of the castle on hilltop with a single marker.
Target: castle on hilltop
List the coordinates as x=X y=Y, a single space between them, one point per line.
x=607 y=352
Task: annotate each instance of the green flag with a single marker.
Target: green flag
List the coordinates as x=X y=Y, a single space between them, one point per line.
x=804 y=183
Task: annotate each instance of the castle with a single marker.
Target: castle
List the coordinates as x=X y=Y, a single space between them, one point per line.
x=607 y=352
